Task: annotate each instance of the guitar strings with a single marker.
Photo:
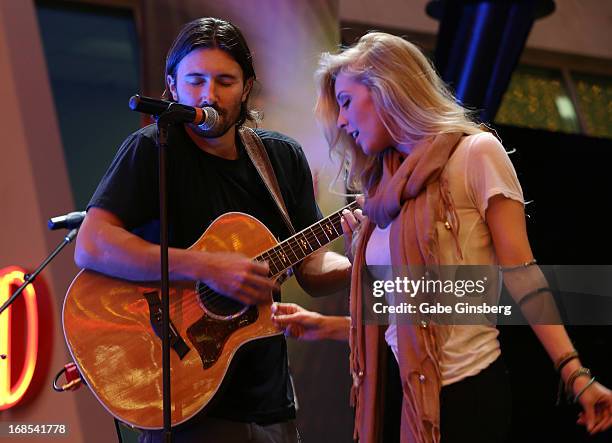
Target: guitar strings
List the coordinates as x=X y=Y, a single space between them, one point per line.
x=213 y=299
x=314 y=232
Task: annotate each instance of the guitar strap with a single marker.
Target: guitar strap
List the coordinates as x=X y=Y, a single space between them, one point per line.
x=258 y=155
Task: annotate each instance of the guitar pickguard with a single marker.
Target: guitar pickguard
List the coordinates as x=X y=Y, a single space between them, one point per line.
x=208 y=335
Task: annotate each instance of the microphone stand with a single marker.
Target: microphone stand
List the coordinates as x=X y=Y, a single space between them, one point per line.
x=164 y=121
x=29 y=278
x=172 y=115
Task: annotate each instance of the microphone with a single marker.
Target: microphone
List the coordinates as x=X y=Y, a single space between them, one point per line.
x=69 y=221
x=206 y=118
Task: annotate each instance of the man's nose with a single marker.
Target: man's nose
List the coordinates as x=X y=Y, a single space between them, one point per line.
x=210 y=93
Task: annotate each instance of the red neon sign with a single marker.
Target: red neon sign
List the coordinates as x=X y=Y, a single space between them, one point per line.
x=11 y=394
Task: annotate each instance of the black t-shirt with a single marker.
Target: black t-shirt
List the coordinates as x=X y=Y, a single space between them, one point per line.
x=202 y=187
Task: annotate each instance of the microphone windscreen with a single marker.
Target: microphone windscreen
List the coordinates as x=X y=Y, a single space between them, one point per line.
x=210 y=120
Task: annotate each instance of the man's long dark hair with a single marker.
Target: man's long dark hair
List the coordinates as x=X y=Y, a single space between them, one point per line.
x=212 y=33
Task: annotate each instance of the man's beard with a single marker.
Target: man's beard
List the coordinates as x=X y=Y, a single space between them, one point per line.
x=223 y=125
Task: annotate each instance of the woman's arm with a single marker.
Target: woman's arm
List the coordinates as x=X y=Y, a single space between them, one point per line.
x=307 y=325
x=506 y=221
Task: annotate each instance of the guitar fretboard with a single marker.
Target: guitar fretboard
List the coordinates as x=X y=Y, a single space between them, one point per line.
x=301 y=245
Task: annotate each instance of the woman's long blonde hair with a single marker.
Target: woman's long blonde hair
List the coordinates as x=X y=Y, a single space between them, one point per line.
x=410 y=98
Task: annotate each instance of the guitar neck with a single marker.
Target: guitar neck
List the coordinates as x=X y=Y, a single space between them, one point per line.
x=294 y=249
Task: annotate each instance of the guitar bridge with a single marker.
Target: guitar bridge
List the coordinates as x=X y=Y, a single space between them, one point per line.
x=155 y=315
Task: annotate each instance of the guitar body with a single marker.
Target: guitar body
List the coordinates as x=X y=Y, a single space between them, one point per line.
x=108 y=325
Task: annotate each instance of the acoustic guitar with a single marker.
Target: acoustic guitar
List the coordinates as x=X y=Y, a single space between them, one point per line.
x=112 y=325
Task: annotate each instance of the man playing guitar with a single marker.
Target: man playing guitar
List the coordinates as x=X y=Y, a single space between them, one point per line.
x=209 y=174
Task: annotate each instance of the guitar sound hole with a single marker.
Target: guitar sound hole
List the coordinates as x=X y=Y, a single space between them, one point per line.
x=217 y=305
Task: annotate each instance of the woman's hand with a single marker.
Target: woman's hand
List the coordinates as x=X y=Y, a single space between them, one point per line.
x=302 y=324
x=351 y=223
x=596 y=402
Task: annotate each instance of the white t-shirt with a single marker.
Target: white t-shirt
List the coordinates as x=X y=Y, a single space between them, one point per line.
x=478 y=170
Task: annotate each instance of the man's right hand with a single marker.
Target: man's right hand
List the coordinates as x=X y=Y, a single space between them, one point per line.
x=104 y=245
x=238 y=277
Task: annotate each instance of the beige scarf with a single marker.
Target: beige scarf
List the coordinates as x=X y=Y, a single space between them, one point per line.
x=411 y=196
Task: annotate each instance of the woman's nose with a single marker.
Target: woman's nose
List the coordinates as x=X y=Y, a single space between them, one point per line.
x=341 y=121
